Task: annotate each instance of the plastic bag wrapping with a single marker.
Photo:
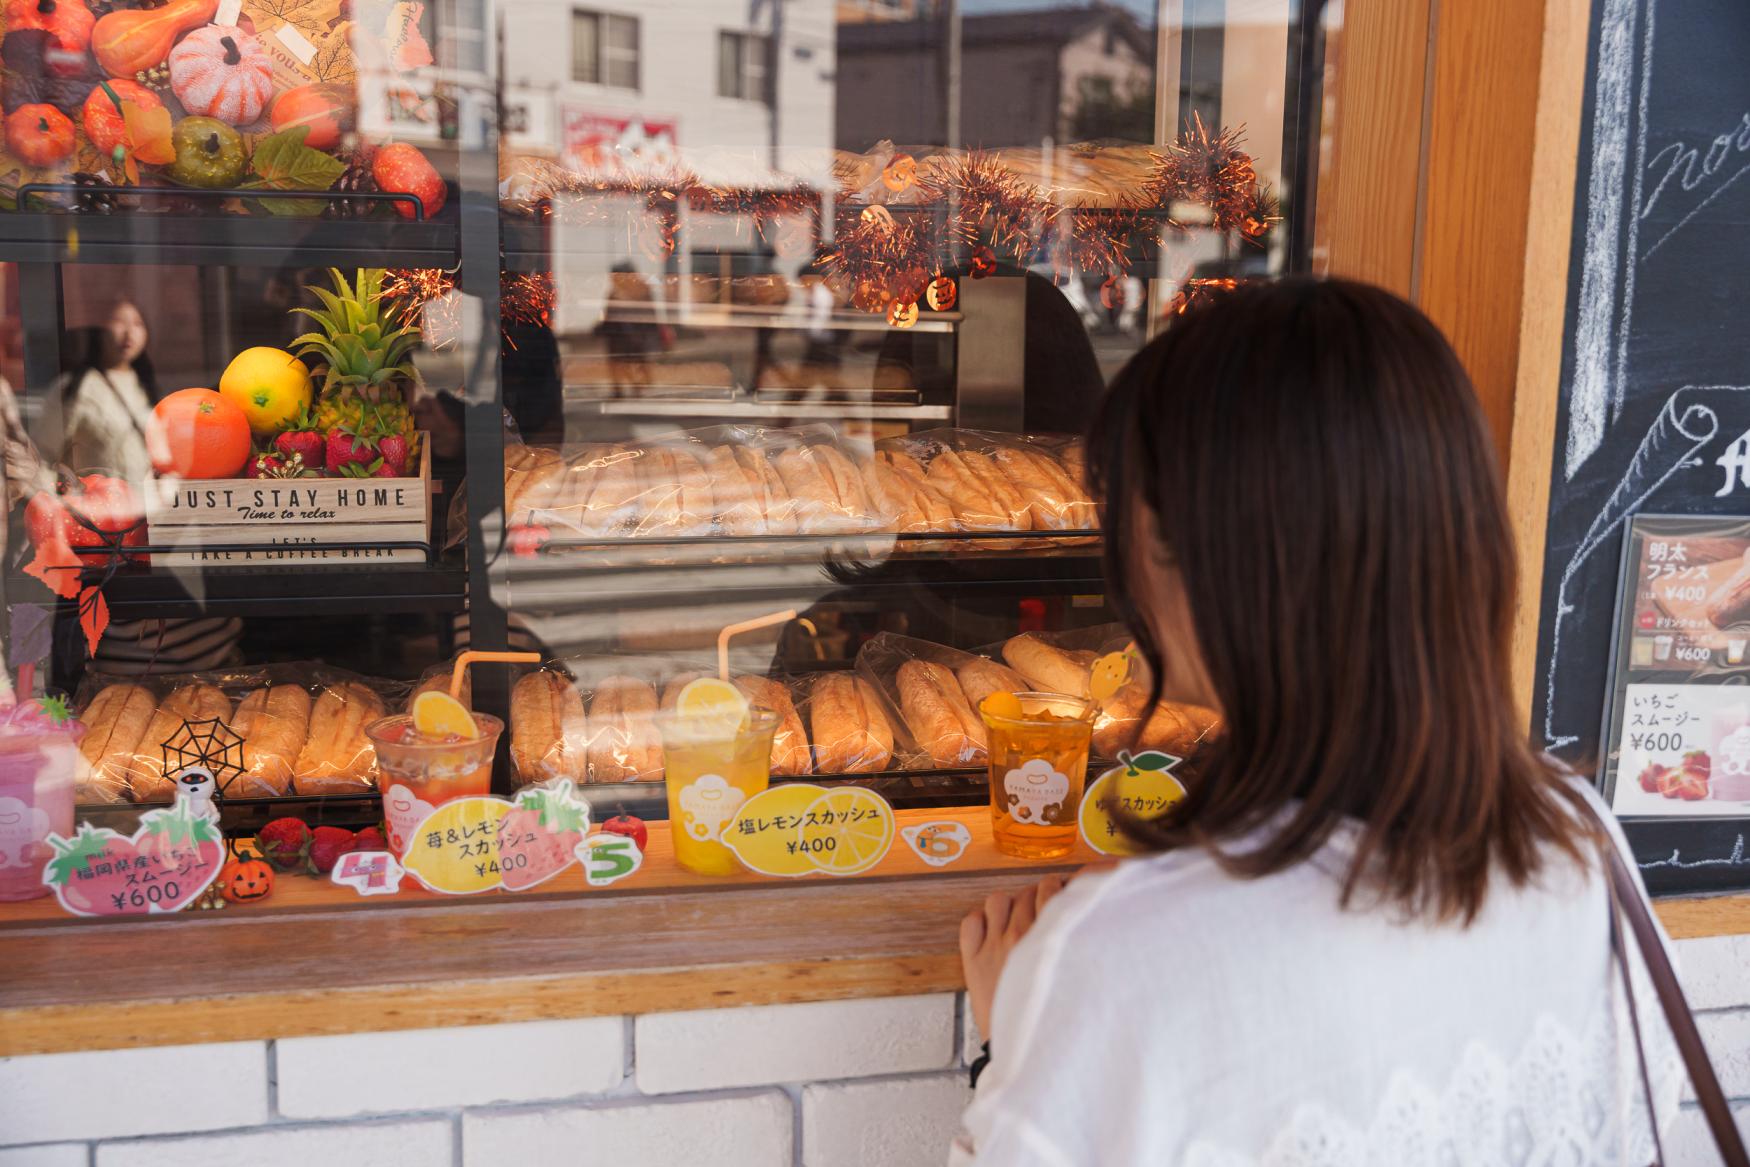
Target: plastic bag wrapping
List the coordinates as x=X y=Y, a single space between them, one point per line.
x=790 y=753
x=980 y=481
x=849 y=726
x=436 y=679
x=299 y=729
x=935 y=726
x=1063 y=662
x=549 y=729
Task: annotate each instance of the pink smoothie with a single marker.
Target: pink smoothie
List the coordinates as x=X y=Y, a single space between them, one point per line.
x=37 y=768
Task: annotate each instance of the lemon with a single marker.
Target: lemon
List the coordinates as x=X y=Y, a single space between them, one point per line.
x=847 y=830
x=1001 y=704
x=270 y=386
x=437 y=714
x=711 y=700
x=773 y=817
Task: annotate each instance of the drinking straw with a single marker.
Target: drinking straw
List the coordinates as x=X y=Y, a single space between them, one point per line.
x=749 y=626
x=469 y=657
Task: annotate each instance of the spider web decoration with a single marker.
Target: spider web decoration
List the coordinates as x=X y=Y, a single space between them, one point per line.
x=210 y=744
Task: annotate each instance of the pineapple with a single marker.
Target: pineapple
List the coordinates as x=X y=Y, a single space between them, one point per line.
x=364 y=343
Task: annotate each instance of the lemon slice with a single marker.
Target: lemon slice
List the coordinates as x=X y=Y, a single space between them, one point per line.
x=847 y=830
x=437 y=714
x=1002 y=704
x=711 y=700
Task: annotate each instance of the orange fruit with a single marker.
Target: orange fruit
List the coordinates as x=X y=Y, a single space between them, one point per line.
x=269 y=385
x=196 y=433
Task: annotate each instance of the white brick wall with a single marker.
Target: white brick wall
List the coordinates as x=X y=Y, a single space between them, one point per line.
x=873 y=1083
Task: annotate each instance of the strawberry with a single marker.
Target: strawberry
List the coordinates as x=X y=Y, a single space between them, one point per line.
x=1651 y=777
x=401 y=169
x=1693 y=776
x=302 y=438
x=369 y=839
x=347 y=449
x=327 y=845
x=393 y=448
x=526 y=542
x=629 y=825
x=537 y=840
x=285 y=843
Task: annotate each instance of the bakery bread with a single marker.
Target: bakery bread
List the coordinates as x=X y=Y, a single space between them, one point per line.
x=907 y=503
x=274 y=724
x=1012 y=504
x=776 y=503
x=696 y=498
x=847 y=484
x=549 y=735
x=980 y=677
x=944 y=726
x=115 y=723
x=1174 y=727
x=737 y=495
x=659 y=495
x=613 y=505
x=148 y=777
x=671 y=692
x=849 y=729
x=1054 y=503
x=623 y=745
x=529 y=475
x=337 y=757
x=789 y=743
x=1046 y=667
x=818 y=510
x=974 y=508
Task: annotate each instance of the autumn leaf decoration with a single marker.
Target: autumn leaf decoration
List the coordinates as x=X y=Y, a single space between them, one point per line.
x=282 y=162
x=149 y=134
x=57 y=568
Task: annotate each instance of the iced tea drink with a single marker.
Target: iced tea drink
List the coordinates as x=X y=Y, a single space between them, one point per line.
x=417 y=773
x=1038 y=766
x=711 y=767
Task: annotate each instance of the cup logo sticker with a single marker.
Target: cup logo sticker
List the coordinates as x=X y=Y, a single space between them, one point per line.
x=937 y=843
x=1035 y=792
x=23 y=831
x=708 y=803
x=404 y=810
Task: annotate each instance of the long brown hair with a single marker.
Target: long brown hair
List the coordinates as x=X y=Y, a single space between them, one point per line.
x=1312 y=457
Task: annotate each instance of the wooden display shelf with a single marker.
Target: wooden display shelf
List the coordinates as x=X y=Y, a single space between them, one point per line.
x=316 y=959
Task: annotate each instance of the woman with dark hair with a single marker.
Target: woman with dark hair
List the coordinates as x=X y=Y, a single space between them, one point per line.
x=110 y=397
x=1376 y=929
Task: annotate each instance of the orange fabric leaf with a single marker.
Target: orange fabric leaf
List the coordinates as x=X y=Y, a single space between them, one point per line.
x=131 y=169
x=93 y=617
x=57 y=567
x=149 y=131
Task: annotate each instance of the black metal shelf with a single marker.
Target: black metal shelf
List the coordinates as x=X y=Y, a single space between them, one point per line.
x=137 y=592
x=144 y=238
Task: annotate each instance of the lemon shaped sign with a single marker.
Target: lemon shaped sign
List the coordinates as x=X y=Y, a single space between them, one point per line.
x=798 y=829
x=454 y=850
x=1143 y=786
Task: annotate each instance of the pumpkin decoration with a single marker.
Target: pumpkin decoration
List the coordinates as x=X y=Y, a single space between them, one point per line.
x=102 y=115
x=39 y=134
x=246 y=878
x=326 y=109
x=68 y=23
x=132 y=40
x=222 y=72
x=209 y=154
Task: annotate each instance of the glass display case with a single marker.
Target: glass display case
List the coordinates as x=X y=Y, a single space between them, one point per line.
x=352 y=336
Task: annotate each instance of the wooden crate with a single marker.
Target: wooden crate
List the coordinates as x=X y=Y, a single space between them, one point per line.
x=267 y=521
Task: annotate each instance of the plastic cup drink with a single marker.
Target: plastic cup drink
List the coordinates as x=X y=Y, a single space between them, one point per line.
x=710 y=767
x=1038 y=766
x=38 y=764
x=417 y=774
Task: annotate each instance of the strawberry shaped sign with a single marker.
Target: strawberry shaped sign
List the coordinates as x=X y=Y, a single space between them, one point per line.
x=160 y=868
x=1142 y=787
x=472 y=845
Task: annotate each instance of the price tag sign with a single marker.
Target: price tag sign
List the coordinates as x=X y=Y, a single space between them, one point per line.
x=162 y=867
x=937 y=843
x=1142 y=786
x=473 y=845
x=607 y=859
x=370 y=873
x=798 y=829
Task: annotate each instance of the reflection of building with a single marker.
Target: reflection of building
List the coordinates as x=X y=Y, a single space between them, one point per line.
x=1060 y=74
x=851 y=11
x=612 y=78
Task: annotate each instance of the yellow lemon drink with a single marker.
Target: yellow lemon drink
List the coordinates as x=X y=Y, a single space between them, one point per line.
x=1038 y=765
x=716 y=754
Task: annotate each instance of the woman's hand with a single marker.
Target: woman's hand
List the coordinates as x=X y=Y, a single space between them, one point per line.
x=990 y=932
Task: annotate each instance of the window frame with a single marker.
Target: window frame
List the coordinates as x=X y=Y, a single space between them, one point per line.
x=609 y=58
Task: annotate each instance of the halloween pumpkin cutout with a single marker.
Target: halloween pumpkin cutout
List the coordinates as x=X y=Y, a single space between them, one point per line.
x=222 y=72
x=246 y=878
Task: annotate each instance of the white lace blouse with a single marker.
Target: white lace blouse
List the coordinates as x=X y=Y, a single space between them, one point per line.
x=1166 y=1013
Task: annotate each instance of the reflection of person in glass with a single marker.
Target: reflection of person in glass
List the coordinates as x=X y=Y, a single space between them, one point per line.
x=629 y=333
x=110 y=397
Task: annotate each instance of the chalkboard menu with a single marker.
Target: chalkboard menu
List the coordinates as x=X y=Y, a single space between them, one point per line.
x=1654 y=413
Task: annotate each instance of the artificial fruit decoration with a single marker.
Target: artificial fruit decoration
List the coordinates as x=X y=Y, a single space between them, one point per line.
x=302 y=440
x=246 y=878
x=68 y=23
x=104 y=116
x=133 y=40
x=364 y=342
x=401 y=169
x=209 y=154
x=195 y=433
x=91 y=516
x=39 y=135
x=270 y=385
x=327 y=111
x=223 y=72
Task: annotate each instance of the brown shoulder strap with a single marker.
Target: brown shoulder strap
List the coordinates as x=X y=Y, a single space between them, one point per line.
x=1629 y=904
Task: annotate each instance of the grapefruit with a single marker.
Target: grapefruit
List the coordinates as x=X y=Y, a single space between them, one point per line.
x=269 y=385
x=197 y=433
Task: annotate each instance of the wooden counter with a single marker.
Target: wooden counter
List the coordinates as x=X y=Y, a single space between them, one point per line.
x=317 y=960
